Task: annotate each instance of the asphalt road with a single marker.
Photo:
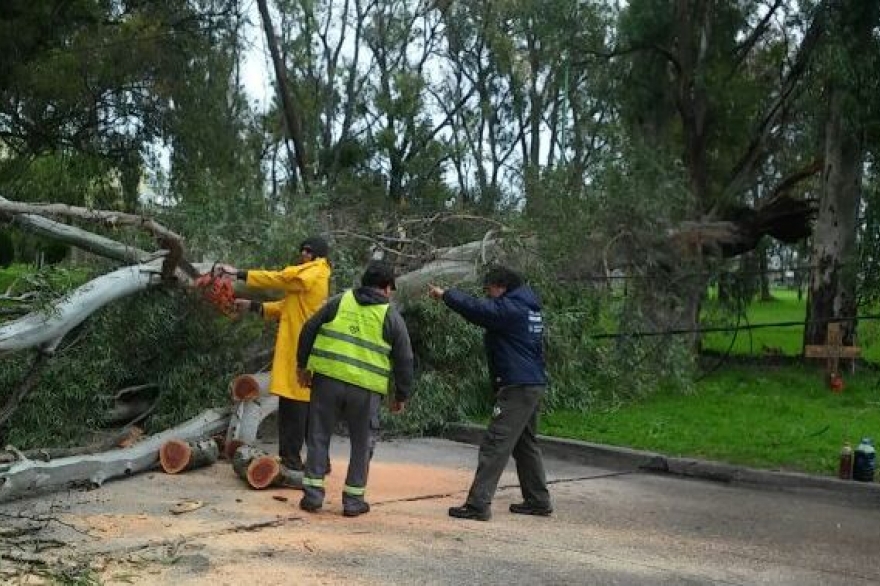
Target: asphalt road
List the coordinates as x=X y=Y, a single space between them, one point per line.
x=611 y=526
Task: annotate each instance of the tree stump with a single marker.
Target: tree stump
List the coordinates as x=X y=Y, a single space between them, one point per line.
x=261 y=470
x=178 y=456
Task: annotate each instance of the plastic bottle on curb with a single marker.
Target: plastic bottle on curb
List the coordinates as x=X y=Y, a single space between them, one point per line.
x=864 y=461
x=845 y=468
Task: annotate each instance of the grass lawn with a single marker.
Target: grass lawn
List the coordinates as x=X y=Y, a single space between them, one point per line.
x=775 y=417
x=787 y=340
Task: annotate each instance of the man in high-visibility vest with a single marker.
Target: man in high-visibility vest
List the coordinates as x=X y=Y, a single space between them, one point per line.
x=350 y=352
x=306 y=286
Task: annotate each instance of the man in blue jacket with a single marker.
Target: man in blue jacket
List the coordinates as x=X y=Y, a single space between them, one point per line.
x=514 y=327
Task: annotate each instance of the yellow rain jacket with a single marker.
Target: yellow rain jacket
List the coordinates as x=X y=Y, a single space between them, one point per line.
x=306 y=287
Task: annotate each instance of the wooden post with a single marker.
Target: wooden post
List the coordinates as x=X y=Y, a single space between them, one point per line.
x=833 y=351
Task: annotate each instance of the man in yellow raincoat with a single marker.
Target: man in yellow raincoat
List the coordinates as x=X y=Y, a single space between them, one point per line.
x=306 y=286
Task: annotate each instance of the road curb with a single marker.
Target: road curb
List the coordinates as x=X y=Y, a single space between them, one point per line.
x=618 y=458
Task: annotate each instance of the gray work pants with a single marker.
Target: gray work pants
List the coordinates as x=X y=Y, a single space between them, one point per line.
x=359 y=408
x=512 y=431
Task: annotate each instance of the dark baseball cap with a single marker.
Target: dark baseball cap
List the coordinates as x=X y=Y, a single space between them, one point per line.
x=378 y=274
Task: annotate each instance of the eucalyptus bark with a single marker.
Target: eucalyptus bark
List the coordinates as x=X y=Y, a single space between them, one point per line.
x=832 y=289
x=834 y=274
x=25 y=476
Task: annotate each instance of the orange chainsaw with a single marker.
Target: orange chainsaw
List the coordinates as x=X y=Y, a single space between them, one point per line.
x=216 y=289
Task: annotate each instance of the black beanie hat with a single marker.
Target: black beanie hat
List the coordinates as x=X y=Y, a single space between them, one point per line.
x=317 y=245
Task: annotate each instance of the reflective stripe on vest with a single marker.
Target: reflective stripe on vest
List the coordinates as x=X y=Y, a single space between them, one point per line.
x=351 y=347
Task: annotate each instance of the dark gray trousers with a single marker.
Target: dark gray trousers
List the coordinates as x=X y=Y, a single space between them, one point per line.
x=293 y=426
x=512 y=431
x=359 y=408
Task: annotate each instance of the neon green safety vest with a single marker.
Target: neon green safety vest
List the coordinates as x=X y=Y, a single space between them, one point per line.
x=351 y=347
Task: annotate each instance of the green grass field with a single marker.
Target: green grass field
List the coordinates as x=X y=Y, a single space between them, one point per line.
x=778 y=417
x=774 y=417
x=786 y=340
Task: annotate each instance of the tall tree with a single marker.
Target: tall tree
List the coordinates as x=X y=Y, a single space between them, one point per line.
x=849 y=81
x=731 y=80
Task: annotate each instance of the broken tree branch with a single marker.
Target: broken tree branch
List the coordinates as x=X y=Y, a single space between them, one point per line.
x=106 y=217
x=78 y=237
x=45 y=329
x=26 y=476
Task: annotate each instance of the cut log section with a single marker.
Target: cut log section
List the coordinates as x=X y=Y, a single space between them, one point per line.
x=249 y=387
x=253 y=405
x=178 y=456
x=261 y=470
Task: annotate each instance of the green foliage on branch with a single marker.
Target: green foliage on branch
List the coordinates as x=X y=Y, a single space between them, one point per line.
x=169 y=338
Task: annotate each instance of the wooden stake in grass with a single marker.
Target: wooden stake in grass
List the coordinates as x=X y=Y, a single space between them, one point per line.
x=178 y=456
x=261 y=470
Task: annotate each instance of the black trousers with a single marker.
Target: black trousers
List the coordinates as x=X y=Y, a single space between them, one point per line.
x=293 y=426
x=359 y=408
x=512 y=431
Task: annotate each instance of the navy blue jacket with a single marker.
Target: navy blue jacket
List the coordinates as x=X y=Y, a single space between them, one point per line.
x=514 y=330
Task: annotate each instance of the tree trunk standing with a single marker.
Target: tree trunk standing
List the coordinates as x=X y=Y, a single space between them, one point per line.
x=833 y=276
x=291 y=114
x=763 y=274
x=832 y=289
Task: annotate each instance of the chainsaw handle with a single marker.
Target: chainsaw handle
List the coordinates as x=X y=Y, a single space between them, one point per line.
x=219 y=270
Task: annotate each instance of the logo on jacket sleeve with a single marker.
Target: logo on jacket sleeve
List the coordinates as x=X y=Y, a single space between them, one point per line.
x=536 y=322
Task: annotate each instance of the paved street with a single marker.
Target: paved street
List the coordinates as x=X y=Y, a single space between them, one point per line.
x=610 y=527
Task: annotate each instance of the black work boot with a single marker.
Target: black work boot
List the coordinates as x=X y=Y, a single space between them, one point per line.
x=470 y=512
x=310 y=506
x=356 y=509
x=530 y=509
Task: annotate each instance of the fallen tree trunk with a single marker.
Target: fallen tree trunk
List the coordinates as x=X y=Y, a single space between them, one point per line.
x=117 y=439
x=45 y=329
x=261 y=470
x=27 y=476
x=106 y=217
x=179 y=456
x=73 y=236
x=454 y=265
x=253 y=404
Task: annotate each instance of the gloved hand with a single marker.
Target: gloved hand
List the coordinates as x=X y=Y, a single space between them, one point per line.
x=222 y=269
